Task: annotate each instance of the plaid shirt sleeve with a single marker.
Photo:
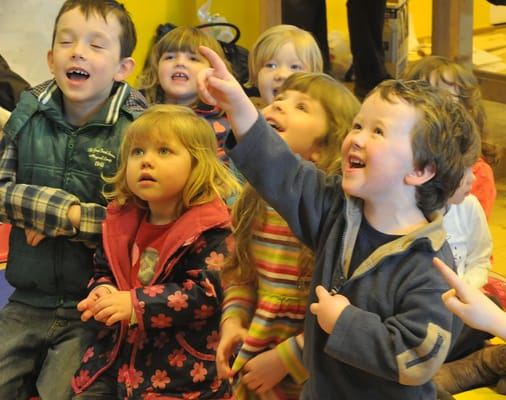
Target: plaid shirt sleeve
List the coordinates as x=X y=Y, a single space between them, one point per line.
x=43 y=208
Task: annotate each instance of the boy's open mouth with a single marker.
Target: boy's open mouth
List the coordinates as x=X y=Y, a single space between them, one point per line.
x=77 y=74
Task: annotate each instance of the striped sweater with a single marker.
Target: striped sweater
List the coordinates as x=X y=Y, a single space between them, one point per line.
x=275 y=309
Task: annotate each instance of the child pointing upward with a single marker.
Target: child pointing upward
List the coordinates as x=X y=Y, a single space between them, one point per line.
x=377 y=327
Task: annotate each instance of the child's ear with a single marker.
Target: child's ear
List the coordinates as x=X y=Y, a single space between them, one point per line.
x=50 y=61
x=125 y=68
x=315 y=155
x=420 y=176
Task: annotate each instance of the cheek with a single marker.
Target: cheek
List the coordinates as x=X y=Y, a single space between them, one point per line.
x=264 y=78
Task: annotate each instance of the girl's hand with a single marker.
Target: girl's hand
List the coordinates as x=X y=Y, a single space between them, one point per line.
x=217 y=86
x=328 y=308
x=264 y=371
x=232 y=334
x=113 y=308
x=86 y=305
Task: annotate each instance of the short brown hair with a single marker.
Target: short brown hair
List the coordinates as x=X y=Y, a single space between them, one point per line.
x=445 y=137
x=128 y=38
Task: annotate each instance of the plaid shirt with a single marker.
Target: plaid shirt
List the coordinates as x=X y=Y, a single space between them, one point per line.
x=43 y=208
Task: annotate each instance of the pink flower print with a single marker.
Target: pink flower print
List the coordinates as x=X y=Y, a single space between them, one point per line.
x=161 y=321
x=151 y=396
x=132 y=334
x=230 y=243
x=178 y=301
x=160 y=379
x=216 y=384
x=204 y=312
x=198 y=372
x=198 y=325
x=83 y=378
x=212 y=340
x=161 y=340
x=152 y=291
x=218 y=127
x=209 y=287
x=88 y=354
x=130 y=377
x=177 y=358
x=191 y=396
x=215 y=261
x=188 y=284
x=199 y=245
x=194 y=272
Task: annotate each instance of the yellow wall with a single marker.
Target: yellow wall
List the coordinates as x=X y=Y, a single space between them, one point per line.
x=420 y=11
x=148 y=14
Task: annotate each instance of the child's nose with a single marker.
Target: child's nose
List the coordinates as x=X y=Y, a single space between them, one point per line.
x=180 y=59
x=78 y=50
x=282 y=73
x=147 y=160
x=278 y=106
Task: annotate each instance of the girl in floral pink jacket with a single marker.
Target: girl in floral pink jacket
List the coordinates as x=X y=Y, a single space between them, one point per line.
x=156 y=288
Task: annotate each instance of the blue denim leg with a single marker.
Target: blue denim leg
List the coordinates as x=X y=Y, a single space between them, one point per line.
x=40 y=348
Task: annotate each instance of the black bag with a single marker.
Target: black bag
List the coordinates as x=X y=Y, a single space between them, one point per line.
x=236 y=55
x=497 y=2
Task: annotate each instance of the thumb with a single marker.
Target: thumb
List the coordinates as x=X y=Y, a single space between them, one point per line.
x=321 y=292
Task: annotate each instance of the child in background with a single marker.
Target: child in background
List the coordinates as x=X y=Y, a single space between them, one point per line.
x=156 y=286
x=464 y=86
x=377 y=327
x=277 y=53
x=466 y=225
x=170 y=76
x=267 y=276
x=471 y=243
x=62 y=136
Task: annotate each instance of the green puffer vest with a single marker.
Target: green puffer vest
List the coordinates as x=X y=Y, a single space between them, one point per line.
x=53 y=153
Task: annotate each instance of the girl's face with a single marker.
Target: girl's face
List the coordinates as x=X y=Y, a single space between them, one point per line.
x=177 y=75
x=275 y=71
x=464 y=188
x=157 y=171
x=299 y=120
x=377 y=153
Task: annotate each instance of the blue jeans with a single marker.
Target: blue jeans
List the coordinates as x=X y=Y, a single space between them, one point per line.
x=40 y=350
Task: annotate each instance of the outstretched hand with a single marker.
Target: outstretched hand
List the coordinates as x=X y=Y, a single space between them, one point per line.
x=217 y=86
x=470 y=304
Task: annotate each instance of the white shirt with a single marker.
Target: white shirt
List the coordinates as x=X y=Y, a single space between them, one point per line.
x=470 y=240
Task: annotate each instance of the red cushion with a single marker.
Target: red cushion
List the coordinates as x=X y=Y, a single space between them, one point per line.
x=496 y=287
x=5 y=230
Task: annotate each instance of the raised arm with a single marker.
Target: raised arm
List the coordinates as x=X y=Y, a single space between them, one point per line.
x=217 y=86
x=471 y=305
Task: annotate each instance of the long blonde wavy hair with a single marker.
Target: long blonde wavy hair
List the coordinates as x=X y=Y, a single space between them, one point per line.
x=340 y=107
x=209 y=177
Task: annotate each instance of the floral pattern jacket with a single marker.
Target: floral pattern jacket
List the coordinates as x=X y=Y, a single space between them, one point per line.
x=170 y=352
